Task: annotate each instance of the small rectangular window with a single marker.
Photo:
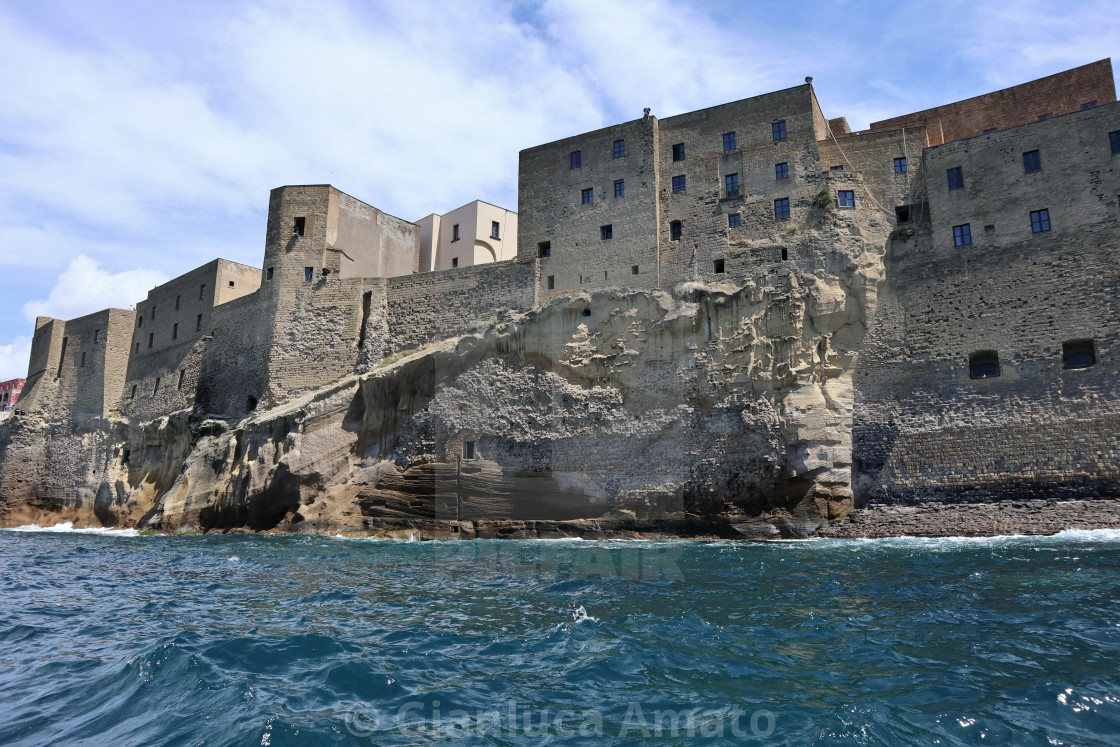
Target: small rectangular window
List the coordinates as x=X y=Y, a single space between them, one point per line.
x=836 y=168
x=633 y=269
x=495 y=229
x=781 y=208
x=151 y=339
x=551 y=282
x=308 y=274
x=1114 y=141
x=846 y=198
x=781 y=171
x=587 y=196
x=454 y=262
x=619 y=149
x=900 y=165
x=175 y=331
x=1040 y=221
x=619 y=188
x=962 y=235
x=678 y=152
x=298 y=225
x=1044 y=116
x=138 y=348
x=956 y=177
x=676 y=229
x=717 y=266
x=178 y=300
x=1078 y=354
x=733 y=220
x=1032 y=162
x=729 y=141
x=468 y=450
x=139 y=321
x=182 y=375
x=678 y=183
x=1088 y=105
x=231 y=284
x=778 y=129
x=153 y=313
x=902 y=212
x=576 y=159
x=455 y=232
x=198 y=324
x=83 y=363
x=606 y=232
x=544 y=249
x=202 y=293
x=96 y=336
x=155 y=389
x=268 y=274
x=731 y=183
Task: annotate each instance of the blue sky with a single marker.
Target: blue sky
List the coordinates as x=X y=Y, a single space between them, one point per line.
x=139 y=140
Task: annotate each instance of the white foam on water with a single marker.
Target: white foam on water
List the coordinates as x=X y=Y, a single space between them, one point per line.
x=67 y=527
x=580 y=615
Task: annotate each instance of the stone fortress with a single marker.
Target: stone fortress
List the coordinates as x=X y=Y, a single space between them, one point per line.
x=745 y=319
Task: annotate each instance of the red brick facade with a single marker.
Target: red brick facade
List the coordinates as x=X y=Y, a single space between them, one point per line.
x=9 y=393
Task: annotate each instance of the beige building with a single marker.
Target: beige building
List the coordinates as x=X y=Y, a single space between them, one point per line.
x=475 y=234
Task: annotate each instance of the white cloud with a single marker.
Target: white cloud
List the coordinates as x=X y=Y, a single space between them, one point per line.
x=14 y=357
x=83 y=288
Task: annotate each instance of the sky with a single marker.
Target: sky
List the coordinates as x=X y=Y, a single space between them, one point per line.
x=139 y=140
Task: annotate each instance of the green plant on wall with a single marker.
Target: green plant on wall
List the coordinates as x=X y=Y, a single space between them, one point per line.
x=823 y=198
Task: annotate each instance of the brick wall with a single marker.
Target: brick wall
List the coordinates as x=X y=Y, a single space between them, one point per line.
x=873 y=155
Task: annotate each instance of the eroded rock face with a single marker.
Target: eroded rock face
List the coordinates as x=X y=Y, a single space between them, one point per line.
x=711 y=409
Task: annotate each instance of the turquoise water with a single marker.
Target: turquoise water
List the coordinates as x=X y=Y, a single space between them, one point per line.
x=249 y=640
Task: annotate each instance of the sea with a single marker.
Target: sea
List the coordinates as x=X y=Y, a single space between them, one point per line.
x=113 y=638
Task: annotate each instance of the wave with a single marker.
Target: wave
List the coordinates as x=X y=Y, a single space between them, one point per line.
x=67 y=527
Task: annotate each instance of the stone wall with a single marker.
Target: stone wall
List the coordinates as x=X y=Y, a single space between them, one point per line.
x=873 y=154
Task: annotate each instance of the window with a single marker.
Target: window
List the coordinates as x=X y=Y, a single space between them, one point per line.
x=182 y=375
x=785 y=254
x=544 y=249
x=956 y=177
x=731 y=183
x=576 y=159
x=132 y=395
x=96 y=336
x=202 y=293
x=468 y=450
x=587 y=312
x=733 y=220
x=495 y=230
x=198 y=324
x=268 y=274
x=1044 y=116
x=83 y=363
x=151 y=339
x=717 y=266
x=781 y=171
x=846 y=198
x=455 y=232
x=678 y=152
x=606 y=232
x=1114 y=141
x=983 y=364
x=587 y=196
x=779 y=130
x=675 y=230
x=1032 y=162
x=139 y=321
x=175 y=331
x=633 y=269
x=231 y=284
x=551 y=282
x=1088 y=105
x=962 y=235
x=900 y=165
x=137 y=348
x=1078 y=354
x=155 y=389
x=1040 y=221
x=298 y=226
x=836 y=168
x=454 y=262
x=729 y=141
x=308 y=273
x=153 y=313
x=179 y=299
x=781 y=208
x=619 y=149
x=678 y=183
x=902 y=212
x=619 y=188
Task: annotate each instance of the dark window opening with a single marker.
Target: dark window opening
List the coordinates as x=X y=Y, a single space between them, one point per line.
x=139 y=322
x=679 y=183
x=962 y=235
x=900 y=165
x=587 y=312
x=202 y=293
x=544 y=249
x=1114 y=141
x=138 y=348
x=675 y=230
x=733 y=220
x=198 y=324
x=619 y=188
x=836 y=168
x=231 y=284
x=268 y=274
x=455 y=232
x=132 y=395
x=155 y=389
x=182 y=375
x=468 y=450
x=779 y=130
x=83 y=363
x=717 y=266
x=153 y=313
x=551 y=282
x=1032 y=162
x=179 y=300
x=454 y=262
x=785 y=254
x=151 y=339
x=781 y=208
x=678 y=152
x=731 y=184
x=1078 y=354
x=250 y=403
x=96 y=336
x=576 y=159
x=127 y=452
x=633 y=269
x=983 y=364
x=298 y=225
x=175 y=331
x=989 y=228
x=308 y=274
x=587 y=196
x=606 y=232
x=1088 y=105
x=495 y=229
x=1044 y=116
x=781 y=171
x=619 y=149
x=729 y=141
x=903 y=213
x=1040 y=221
x=956 y=177
x=846 y=198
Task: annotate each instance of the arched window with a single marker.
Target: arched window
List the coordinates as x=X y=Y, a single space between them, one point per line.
x=983 y=364
x=1078 y=354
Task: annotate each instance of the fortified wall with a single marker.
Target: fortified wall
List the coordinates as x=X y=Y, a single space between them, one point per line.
x=923 y=311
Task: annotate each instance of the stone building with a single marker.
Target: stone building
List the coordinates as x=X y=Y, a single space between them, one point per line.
x=474 y=234
x=9 y=396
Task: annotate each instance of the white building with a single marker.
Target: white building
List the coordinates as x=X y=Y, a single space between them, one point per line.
x=474 y=234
